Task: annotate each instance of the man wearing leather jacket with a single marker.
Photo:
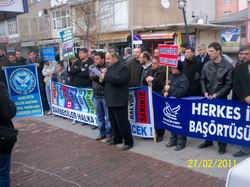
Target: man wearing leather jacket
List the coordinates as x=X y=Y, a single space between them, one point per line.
x=216 y=82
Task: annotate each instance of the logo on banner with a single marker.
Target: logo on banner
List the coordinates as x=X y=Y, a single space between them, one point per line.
x=23 y=81
x=170 y=118
x=171 y=112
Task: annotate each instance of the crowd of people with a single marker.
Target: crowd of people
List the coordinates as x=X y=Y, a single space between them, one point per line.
x=207 y=74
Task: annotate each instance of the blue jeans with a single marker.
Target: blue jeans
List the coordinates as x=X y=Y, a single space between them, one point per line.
x=5 y=170
x=102 y=116
x=48 y=93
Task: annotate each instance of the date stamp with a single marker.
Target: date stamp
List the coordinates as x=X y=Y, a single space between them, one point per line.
x=211 y=163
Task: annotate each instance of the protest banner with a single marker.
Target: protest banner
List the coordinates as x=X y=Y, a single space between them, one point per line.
x=73 y=103
x=216 y=119
x=77 y=103
x=140 y=114
x=24 y=90
x=67 y=43
x=48 y=54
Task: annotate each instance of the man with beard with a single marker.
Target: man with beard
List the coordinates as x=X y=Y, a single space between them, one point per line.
x=241 y=87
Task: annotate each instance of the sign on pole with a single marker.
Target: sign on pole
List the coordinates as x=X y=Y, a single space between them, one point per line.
x=67 y=43
x=168 y=55
x=137 y=39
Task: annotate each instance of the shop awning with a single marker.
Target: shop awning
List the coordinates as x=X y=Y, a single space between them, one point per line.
x=11 y=8
x=157 y=35
x=114 y=37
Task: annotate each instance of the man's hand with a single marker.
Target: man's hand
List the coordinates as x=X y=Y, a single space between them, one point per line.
x=206 y=95
x=214 y=96
x=247 y=99
x=149 y=80
x=166 y=88
x=165 y=94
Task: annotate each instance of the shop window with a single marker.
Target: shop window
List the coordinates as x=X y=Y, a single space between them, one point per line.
x=12 y=27
x=3 y=29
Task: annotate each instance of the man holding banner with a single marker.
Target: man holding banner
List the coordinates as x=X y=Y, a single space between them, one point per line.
x=241 y=87
x=178 y=88
x=216 y=82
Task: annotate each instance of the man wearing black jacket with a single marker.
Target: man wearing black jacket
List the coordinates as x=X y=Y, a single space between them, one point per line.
x=216 y=82
x=19 y=58
x=241 y=87
x=203 y=56
x=192 y=69
x=99 y=100
x=116 y=95
x=6 y=114
x=80 y=70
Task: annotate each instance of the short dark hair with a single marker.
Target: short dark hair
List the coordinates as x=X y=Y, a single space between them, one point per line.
x=216 y=46
x=146 y=55
x=114 y=54
x=31 y=52
x=100 y=54
x=60 y=63
x=11 y=54
x=191 y=49
x=128 y=50
x=93 y=52
x=85 y=50
x=184 y=45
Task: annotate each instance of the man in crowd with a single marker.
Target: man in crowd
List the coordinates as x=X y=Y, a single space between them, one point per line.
x=6 y=114
x=182 y=54
x=203 y=56
x=241 y=87
x=12 y=59
x=116 y=95
x=127 y=55
x=178 y=88
x=32 y=59
x=80 y=70
x=156 y=78
x=216 y=82
x=192 y=69
x=134 y=68
x=99 y=100
x=4 y=61
x=19 y=58
x=146 y=64
x=60 y=74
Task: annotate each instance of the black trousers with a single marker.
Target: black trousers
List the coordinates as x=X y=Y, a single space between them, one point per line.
x=121 y=129
x=160 y=132
x=220 y=144
x=178 y=139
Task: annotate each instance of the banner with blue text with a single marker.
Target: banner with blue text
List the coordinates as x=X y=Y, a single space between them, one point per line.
x=24 y=90
x=217 y=119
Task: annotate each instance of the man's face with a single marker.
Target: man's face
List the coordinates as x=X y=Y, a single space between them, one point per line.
x=213 y=54
x=240 y=56
x=142 y=59
x=59 y=68
x=82 y=55
x=137 y=52
x=246 y=56
x=12 y=58
x=18 y=54
x=108 y=58
x=97 y=60
x=156 y=52
x=155 y=64
x=202 y=51
x=189 y=54
x=32 y=55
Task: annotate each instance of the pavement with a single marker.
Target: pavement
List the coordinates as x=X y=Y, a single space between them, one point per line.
x=52 y=152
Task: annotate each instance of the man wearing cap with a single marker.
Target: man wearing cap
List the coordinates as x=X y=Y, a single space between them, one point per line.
x=178 y=88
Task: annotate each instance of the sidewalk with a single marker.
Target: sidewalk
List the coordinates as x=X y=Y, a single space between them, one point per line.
x=46 y=155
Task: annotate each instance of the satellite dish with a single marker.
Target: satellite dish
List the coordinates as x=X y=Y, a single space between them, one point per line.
x=40 y=13
x=165 y=3
x=200 y=21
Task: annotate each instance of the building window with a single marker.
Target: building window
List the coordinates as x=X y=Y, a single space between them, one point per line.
x=12 y=27
x=227 y=13
x=3 y=29
x=243 y=29
x=120 y=12
x=227 y=1
x=61 y=19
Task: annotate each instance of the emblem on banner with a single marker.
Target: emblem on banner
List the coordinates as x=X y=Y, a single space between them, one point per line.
x=171 y=113
x=23 y=81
